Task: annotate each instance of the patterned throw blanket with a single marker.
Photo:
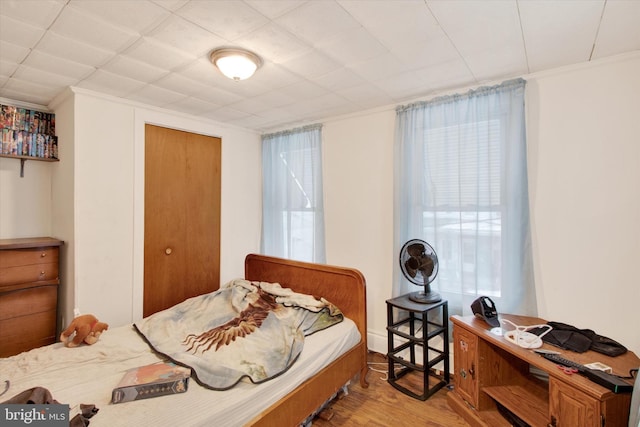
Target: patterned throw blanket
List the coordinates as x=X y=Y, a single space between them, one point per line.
x=245 y=329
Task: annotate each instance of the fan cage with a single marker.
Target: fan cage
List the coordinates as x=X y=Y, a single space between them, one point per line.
x=421 y=251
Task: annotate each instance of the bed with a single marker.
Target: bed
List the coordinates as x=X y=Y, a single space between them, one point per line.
x=330 y=359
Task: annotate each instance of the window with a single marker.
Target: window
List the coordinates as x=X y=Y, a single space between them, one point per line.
x=292 y=212
x=461 y=185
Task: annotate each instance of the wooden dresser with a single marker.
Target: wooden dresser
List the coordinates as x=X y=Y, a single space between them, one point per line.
x=28 y=293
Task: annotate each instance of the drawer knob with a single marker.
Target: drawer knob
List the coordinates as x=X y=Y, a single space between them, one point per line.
x=168 y=251
x=42 y=273
x=43 y=254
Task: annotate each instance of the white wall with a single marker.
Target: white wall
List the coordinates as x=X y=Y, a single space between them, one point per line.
x=25 y=203
x=358 y=186
x=584 y=156
x=107 y=202
x=583 y=127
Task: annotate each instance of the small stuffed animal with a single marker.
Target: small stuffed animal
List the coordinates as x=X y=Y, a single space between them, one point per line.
x=87 y=329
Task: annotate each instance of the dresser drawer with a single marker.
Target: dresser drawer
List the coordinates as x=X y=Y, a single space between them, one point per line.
x=26 y=332
x=20 y=257
x=23 y=302
x=28 y=274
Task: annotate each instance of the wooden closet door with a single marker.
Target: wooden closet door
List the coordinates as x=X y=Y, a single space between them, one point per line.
x=182 y=216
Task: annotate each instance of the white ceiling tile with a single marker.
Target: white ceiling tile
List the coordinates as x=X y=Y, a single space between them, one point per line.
x=395 y=22
x=276 y=113
x=228 y=19
x=357 y=45
x=19 y=33
x=34 y=89
x=192 y=105
x=330 y=104
x=487 y=34
x=39 y=13
x=244 y=88
x=25 y=94
x=172 y=5
x=156 y=95
x=379 y=67
x=111 y=84
x=226 y=113
x=203 y=71
x=329 y=101
x=401 y=86
x=273 y=43
x=425 y=53
x=12 y=52
x=138 y=15
x=217 y=96
x=274 y=8
x=134 y=69
x=311 y=64
x=317 y=21
x=44 y=78
x=264 y=102
x=558 y=33
x=446 y=75
x=366 y=95
x=7 y=69
x=274 y=76
x=181 y=84
x=304 y=90
x=250 y=121
x=184 y=35
x=620 y=28
x=157 y=54
x=79 y=25
x=73 y=50
x=57 y=65
x=339 y=79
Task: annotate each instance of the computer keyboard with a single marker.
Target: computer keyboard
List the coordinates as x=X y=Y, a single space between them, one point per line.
x=611 y=382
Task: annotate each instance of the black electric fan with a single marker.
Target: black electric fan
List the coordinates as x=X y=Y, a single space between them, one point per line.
x=419 y=264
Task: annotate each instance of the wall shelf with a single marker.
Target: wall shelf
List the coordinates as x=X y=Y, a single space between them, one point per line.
x=25 y=158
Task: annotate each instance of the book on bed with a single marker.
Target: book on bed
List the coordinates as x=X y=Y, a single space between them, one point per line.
x=158 y=379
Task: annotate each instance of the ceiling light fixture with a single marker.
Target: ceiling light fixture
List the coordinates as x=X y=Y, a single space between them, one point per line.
x=236 y=63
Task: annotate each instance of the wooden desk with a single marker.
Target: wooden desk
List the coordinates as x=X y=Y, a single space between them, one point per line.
x=490 y=372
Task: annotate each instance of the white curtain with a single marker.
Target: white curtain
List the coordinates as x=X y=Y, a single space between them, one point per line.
x=461 y=185
x=292 y=204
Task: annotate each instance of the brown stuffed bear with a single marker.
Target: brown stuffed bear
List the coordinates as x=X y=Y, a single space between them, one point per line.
x=87 y=329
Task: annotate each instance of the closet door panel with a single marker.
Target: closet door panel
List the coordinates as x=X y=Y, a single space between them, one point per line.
x=182 y=216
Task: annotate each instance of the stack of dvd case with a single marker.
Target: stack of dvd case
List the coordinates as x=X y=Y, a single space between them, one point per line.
x=27 y=132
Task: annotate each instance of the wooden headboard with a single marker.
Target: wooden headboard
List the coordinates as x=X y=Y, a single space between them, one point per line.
x=344 y=287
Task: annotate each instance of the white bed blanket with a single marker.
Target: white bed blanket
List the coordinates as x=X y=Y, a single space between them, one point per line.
x=88 y=374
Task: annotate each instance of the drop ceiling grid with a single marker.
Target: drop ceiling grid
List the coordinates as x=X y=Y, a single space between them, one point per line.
x=322 y=58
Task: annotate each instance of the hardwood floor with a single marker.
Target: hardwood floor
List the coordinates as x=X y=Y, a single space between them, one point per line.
x=383 y=405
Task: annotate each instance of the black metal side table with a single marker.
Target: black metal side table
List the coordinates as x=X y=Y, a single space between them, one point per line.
x=416 y=328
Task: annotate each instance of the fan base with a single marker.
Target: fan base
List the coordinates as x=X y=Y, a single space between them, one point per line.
x=425 y=297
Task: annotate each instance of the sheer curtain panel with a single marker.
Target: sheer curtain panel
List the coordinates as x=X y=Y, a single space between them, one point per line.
x=461 y=185
x=292 y=204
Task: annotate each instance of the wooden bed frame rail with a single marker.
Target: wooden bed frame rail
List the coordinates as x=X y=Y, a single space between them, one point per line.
x=344 y=287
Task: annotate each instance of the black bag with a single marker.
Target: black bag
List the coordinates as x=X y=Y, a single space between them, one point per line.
x=579 y=340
